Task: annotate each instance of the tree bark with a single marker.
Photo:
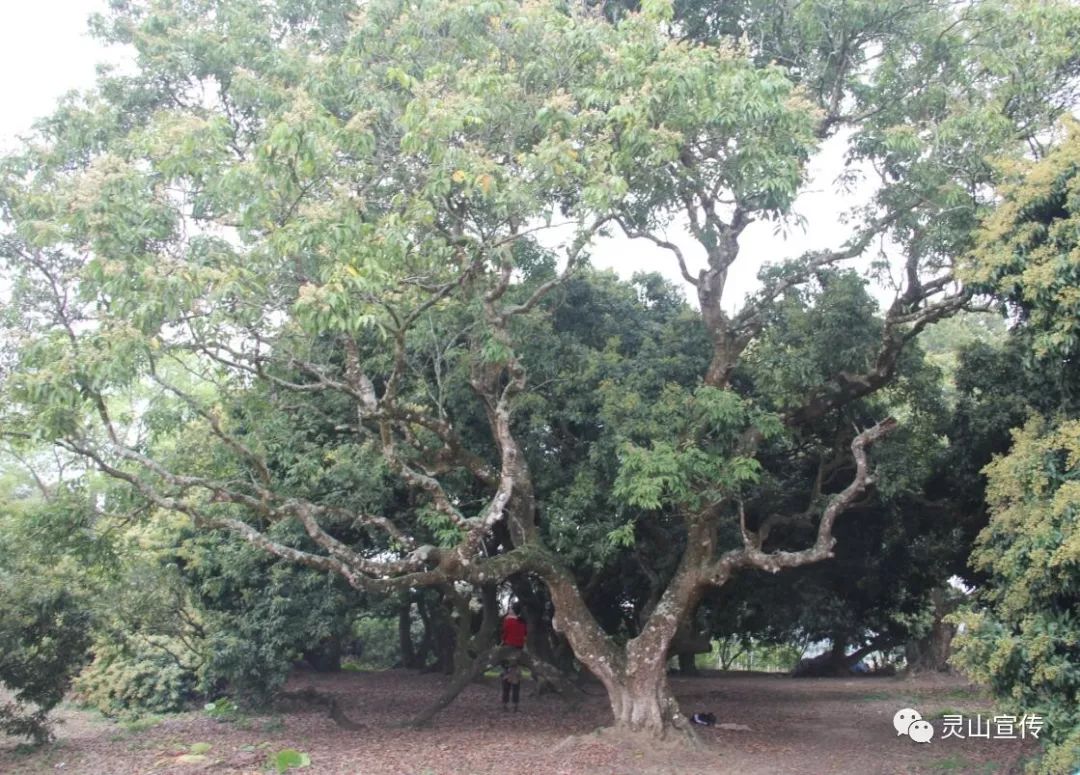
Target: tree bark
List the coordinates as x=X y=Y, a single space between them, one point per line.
x=931 y=652
x=643 y=704
x=405 y=642
x=635 y=676
x=469 y=643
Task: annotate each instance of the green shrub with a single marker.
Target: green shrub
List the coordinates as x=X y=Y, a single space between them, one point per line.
x=132 y=679
x=222 y=709
x=1020 y=636
x=44 y=636
x=259 y=616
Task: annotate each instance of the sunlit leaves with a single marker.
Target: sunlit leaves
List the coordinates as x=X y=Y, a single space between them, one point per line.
x=256 y=185
x=1035 y=494
x=1023 y=643
x=444 y=530
x=697 y=461
x=1029 y=249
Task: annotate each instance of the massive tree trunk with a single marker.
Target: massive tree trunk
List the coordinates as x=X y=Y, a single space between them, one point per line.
x=636 y=682
x=635 y=675
x=643 y=703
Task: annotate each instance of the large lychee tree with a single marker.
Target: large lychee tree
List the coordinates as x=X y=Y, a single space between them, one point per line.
x=1021 y=627
x=336 y=209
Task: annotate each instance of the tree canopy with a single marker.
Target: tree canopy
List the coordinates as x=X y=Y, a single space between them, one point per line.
x=300 y=277
x=1021 y=635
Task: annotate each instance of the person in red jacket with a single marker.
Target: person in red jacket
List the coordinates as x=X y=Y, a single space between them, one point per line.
x=513 y=639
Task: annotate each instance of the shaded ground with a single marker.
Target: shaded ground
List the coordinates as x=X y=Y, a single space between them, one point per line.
x=806 y=726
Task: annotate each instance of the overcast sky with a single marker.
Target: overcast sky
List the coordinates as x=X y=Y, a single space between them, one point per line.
x=45 y=51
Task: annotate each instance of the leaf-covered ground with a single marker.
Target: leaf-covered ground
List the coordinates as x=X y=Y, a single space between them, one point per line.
x=805 y=726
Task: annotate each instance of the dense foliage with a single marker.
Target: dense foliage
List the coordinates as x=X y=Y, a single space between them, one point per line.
x=315 y=276
x=43 y=642
x=46 y=622
x=1024 y=643
x=1022 y=636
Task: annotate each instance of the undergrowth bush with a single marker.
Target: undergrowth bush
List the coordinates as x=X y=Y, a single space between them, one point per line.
x=135 y=678
x=44 y=634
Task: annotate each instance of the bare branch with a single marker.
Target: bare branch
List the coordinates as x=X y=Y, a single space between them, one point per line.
x=674 y=249
x=573 y=257
x=749 y=320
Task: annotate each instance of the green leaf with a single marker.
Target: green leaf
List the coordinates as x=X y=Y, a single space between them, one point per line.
x=622 y=536
x=289 y=759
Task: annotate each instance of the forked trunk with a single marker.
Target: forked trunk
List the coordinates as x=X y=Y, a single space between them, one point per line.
x=634 y=675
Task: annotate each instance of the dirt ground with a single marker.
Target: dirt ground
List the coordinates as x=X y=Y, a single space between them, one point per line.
x=805 y=726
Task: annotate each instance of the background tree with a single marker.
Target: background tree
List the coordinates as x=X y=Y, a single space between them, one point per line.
x=45 y=629
x=289 y=212
x=901 y=542
x=1022 y=632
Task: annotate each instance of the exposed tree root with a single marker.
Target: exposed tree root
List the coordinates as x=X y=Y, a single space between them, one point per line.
x=333 y=709
x=677 y=738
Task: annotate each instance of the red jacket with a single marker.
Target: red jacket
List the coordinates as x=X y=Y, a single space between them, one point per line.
x=513 y=632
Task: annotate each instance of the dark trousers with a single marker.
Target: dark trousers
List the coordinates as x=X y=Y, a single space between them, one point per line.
x=511 y=677
x=511 y=690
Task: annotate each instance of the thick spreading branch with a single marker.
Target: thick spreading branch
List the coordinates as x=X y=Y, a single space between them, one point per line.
x=903 y=322
x=752 y=555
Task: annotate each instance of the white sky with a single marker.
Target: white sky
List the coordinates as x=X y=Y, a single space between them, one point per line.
x=45 y=51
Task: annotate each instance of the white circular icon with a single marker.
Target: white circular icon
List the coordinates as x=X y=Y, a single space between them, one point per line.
x=903 y=719
x=921 y=731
